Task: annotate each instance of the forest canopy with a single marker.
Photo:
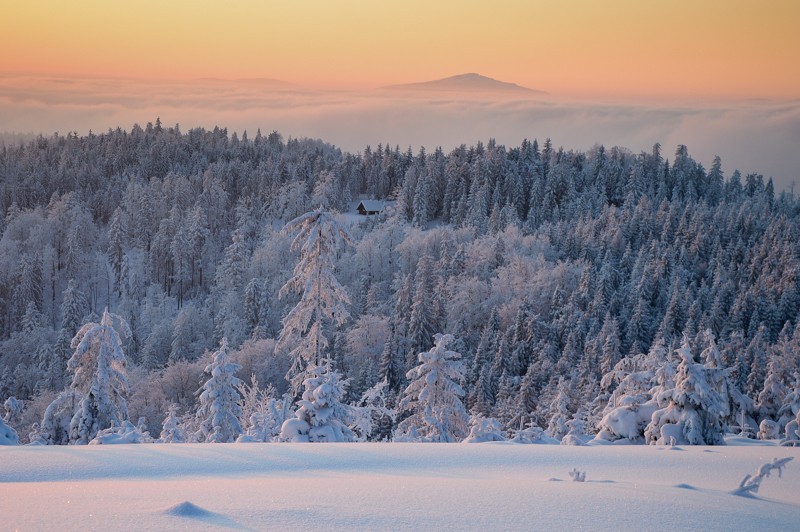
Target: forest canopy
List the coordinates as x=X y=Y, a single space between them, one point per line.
x=551 y=268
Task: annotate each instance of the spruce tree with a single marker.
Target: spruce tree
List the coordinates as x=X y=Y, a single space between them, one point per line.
x=219 y=410
x=99 y=368
x=433 y=397
x=323 y=301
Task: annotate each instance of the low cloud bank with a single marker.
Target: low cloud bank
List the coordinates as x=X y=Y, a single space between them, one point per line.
x=752 y=136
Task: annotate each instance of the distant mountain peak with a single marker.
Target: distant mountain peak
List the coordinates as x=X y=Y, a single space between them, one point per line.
x=469 y=82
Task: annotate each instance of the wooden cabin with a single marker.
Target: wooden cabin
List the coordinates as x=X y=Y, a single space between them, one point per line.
x=369 y=207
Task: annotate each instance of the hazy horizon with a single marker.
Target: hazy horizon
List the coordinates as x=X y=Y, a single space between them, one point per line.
x=751 y=136
x=719 y=76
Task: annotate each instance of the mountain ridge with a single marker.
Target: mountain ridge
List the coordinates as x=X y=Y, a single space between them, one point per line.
x=471 y=81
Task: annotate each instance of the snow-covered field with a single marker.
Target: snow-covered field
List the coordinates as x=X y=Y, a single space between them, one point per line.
x=492 y=486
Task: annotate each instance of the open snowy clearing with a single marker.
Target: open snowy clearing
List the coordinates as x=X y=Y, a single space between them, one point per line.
x=495 y=486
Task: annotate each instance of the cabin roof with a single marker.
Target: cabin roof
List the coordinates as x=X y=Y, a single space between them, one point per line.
x=371 y=205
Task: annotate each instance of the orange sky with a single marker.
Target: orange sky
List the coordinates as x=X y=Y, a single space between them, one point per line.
x=681 y=48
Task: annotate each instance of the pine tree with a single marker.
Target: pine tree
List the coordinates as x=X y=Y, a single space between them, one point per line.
x=73 y=309
x=560 y=411
x=116 y=234
x=252 y=304
x=219 y=410
x=323 y=300
x=321 y=415
x=99 y=370
x=433 y=397
x=423 y=322
x=695 y=411
x=171 y=431
x=391 y=365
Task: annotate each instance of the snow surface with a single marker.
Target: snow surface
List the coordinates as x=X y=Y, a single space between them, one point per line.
x=491 y=486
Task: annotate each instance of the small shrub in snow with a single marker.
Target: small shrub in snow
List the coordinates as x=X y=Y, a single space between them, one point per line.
x=533 y=434
x=577 y=476
x=125 y=433
x=750 y=484
x=626 y=422
x=744 y=428
x=483 y=429
x=8 y=436
x=768 y=430
x=264 y=424
x=262 y=414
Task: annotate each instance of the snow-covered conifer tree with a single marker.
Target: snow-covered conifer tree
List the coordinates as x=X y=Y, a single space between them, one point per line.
x=771 y=397
x=171 y=431
x=433 y=396
x=73 y=308
x=721 y=380
x=54 y=428
x=323 y=300
x=373 y=411
x=695 y=411
x=560 y=411
x=423 y=320
x=219 y=408
x=13 y=408
x=321 y=416
x=100 y=375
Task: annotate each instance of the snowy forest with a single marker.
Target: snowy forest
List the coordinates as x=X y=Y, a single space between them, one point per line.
x=157 y=285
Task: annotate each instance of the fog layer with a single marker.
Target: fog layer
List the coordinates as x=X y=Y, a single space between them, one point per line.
x=752 y=136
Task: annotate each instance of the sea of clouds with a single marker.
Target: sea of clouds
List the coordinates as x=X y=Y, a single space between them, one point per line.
x=753 y=136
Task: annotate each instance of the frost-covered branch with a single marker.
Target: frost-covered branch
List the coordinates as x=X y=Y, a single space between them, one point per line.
x=750 y=484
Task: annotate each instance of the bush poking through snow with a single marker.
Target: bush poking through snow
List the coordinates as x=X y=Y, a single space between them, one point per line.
x=533 y=434
x=577 y=476
x=125 y=433
x=483 y=429
x=750 y=484
x=768 y=430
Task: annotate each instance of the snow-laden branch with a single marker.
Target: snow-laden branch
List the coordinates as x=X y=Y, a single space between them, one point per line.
x=750 y=484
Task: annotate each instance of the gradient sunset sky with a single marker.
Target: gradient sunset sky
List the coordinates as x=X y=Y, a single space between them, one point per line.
x=720 y=76
x=630 y=48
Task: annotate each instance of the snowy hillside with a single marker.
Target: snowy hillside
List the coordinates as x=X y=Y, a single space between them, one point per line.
x=393 y=486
